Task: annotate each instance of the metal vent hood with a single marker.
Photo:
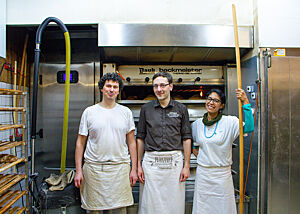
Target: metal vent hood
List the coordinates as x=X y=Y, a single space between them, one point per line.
x=171 y=43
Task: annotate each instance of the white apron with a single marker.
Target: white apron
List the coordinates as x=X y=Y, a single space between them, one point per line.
x=105 y=186
x=214 y=192
x=162 y=193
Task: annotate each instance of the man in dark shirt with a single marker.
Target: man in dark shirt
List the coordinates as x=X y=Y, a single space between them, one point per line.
x=163 y=133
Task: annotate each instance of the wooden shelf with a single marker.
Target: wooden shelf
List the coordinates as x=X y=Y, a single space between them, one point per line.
x=15 y=210
x=4 y=145
x=9 y=180
x=21 y=210
x=9 y=198
x=4 y=91
x=12 y=109
x=5 y=166
x=6 y=127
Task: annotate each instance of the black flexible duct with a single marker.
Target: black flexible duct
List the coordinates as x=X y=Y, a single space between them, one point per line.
x=36 y=68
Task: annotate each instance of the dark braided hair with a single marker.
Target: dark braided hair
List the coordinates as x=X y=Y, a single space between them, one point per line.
x=220 y=93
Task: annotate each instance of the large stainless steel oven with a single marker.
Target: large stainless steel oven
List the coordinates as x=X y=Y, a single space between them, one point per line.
x=191 y=85
x=199 y=57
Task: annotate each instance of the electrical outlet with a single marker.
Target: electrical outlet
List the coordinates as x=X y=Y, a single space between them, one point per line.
x=250 y=88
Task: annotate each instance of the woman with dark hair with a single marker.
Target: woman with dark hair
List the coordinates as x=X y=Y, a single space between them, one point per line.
x=213 y=135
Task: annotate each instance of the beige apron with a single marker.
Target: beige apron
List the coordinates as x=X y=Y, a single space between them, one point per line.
x=105 y=186
x=162 y=192
x=214 y=192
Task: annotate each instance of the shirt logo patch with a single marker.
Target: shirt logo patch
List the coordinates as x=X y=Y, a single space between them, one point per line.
x=173 y=114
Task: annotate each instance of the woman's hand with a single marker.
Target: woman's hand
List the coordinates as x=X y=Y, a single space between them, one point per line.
x=195 y=151
x=241 y=95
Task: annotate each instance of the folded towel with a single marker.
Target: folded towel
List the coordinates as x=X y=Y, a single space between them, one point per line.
x=59 y=182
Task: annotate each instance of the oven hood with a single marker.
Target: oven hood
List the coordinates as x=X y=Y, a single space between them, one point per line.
x=171 y=43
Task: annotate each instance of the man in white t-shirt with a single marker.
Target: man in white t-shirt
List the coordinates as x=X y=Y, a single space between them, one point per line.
x=107 y=143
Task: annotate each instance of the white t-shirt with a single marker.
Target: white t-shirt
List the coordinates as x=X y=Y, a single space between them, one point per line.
x=217 y=150
x=106 y=130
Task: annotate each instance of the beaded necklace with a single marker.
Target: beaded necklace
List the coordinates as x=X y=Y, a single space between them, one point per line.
x=213 y=133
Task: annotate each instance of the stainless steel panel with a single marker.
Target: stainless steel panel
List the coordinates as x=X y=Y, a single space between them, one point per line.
x=166 y=55
x=97 y=78
x=263 y=134
x=231 y=85
x=191 y=35
x=51 y=108
x=294 y=205
x=279 y=141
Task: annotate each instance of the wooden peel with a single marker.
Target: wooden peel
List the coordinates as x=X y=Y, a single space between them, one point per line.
x=239 y=79
x=15 y=114
x=23 y=100
x=14 y=96
x=23 y=64
x=23 y=61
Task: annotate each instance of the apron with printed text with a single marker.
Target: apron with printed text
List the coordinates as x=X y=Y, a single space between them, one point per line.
x=162 y=192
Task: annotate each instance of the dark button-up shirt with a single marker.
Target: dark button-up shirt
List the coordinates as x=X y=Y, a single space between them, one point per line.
x=164 y=129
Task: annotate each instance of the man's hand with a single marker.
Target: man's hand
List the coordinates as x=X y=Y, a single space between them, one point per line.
x=133 y=177
x=185 y=174
x=78 y=179
x=80 y=147
x=141 y=174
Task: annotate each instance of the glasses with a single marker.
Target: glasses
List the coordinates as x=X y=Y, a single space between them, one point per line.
x=160 y=85
x=216 y=101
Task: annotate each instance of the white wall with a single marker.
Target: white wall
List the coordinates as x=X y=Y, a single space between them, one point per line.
x=129 y=11
x=279 y=23
x=3 y=28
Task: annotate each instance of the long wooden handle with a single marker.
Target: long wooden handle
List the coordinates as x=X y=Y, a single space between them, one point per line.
x=21 y=76
x=23 y=62
x=239 y=79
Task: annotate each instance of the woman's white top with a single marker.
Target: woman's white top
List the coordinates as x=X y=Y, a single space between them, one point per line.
x=215 y=151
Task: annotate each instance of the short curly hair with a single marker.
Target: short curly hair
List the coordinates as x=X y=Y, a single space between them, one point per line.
x=111 y=76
